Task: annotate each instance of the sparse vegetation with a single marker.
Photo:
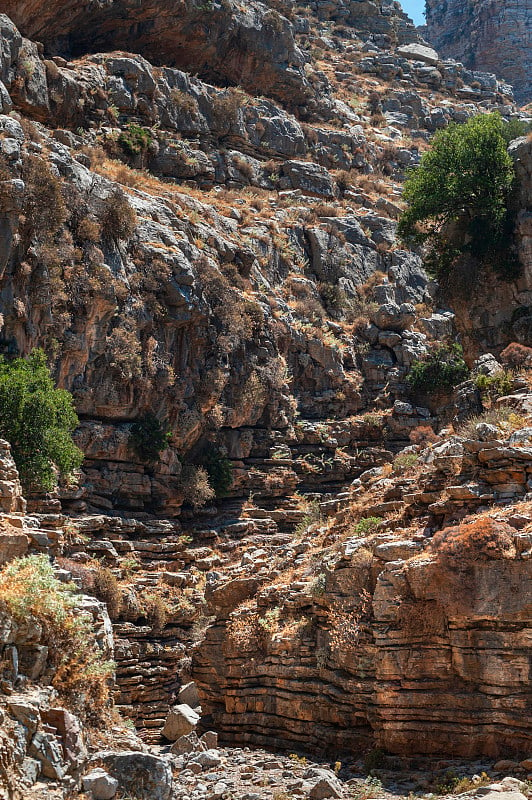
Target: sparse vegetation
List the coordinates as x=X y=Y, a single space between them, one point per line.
x=472 y=542
x=219 y=470
x=504 y=417
x=29 y=590
x=366 y=526
x=404 y=461
x=197 y=489
x=106 y=587
x=117 y=218
x=346 y=624
x=517 y=356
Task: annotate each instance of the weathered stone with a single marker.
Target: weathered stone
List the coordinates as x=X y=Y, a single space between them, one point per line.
x=69 y=730
x=181 y=720
x=188 y=695
x=325 y=788
x=478 y=33
x=418 y=52
x=46 y=748
x=146 y=776
x=100 y=784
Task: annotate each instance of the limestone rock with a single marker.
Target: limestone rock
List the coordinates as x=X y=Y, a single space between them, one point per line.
x=477 y=33
x=419 y=52
x=181 y=720
x=188 y=695
x=46 y=748
x=325 y=788
x=143 y=775
x=100 y=784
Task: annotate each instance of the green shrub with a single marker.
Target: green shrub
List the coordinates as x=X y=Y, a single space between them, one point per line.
x=493 y=386
x=37 y=420
x=514 y=129
x=443 y=368
x=464 y=181
x=404 y=461
x=135 y=140
x=149 y=437
x=367 y=525
x=219 y=470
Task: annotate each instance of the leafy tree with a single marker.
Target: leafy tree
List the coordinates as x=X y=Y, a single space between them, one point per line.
x=37 y=420
x=458 y=196
x=149 y=438
x=514 y=129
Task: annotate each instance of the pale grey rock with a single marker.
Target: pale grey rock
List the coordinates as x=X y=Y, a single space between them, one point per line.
x=310 y=178
x=100 y=784
x=419 y=52
x=188 y=694
x=143 y=775
x=181 y=720
x=46 y=748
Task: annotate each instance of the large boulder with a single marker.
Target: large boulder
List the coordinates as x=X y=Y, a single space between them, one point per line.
x=418 y=52
x=100 y=784
x=144 y=776
x=181 y=720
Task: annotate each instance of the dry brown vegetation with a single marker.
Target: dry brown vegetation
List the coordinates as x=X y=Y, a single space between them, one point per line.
x=471 y=542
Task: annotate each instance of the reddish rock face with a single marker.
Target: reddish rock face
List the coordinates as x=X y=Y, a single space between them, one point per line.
x=492 y=35
x=442 y=668
x=447 y=657
x=251 y=48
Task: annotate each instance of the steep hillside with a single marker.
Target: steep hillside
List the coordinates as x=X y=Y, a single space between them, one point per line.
x=199 y=210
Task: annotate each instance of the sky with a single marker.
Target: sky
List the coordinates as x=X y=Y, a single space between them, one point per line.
x=415 y=9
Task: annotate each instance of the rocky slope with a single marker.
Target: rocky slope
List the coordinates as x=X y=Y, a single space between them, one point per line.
x=226 y=259
x=494 y=35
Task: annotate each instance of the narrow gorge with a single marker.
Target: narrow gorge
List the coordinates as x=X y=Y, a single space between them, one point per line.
x=282 y=545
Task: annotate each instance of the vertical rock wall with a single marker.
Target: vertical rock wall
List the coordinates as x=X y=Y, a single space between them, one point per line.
x=493 y=35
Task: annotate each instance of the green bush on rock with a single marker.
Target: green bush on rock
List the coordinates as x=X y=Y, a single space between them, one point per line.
x=37 y=420
x=442 y=368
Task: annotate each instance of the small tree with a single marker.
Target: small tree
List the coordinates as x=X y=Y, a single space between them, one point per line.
x=149 y=437
x=37 y=420
x=458 y=195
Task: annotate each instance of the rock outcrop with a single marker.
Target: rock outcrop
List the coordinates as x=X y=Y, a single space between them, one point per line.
x=491 y=35
x=252 y=47
x=416 y=641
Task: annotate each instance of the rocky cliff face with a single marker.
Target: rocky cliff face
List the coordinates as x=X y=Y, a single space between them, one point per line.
x=493 y=35
x=398 y=635
x=225 y=258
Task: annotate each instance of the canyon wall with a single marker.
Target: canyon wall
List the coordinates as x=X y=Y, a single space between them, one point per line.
x=493 y=35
